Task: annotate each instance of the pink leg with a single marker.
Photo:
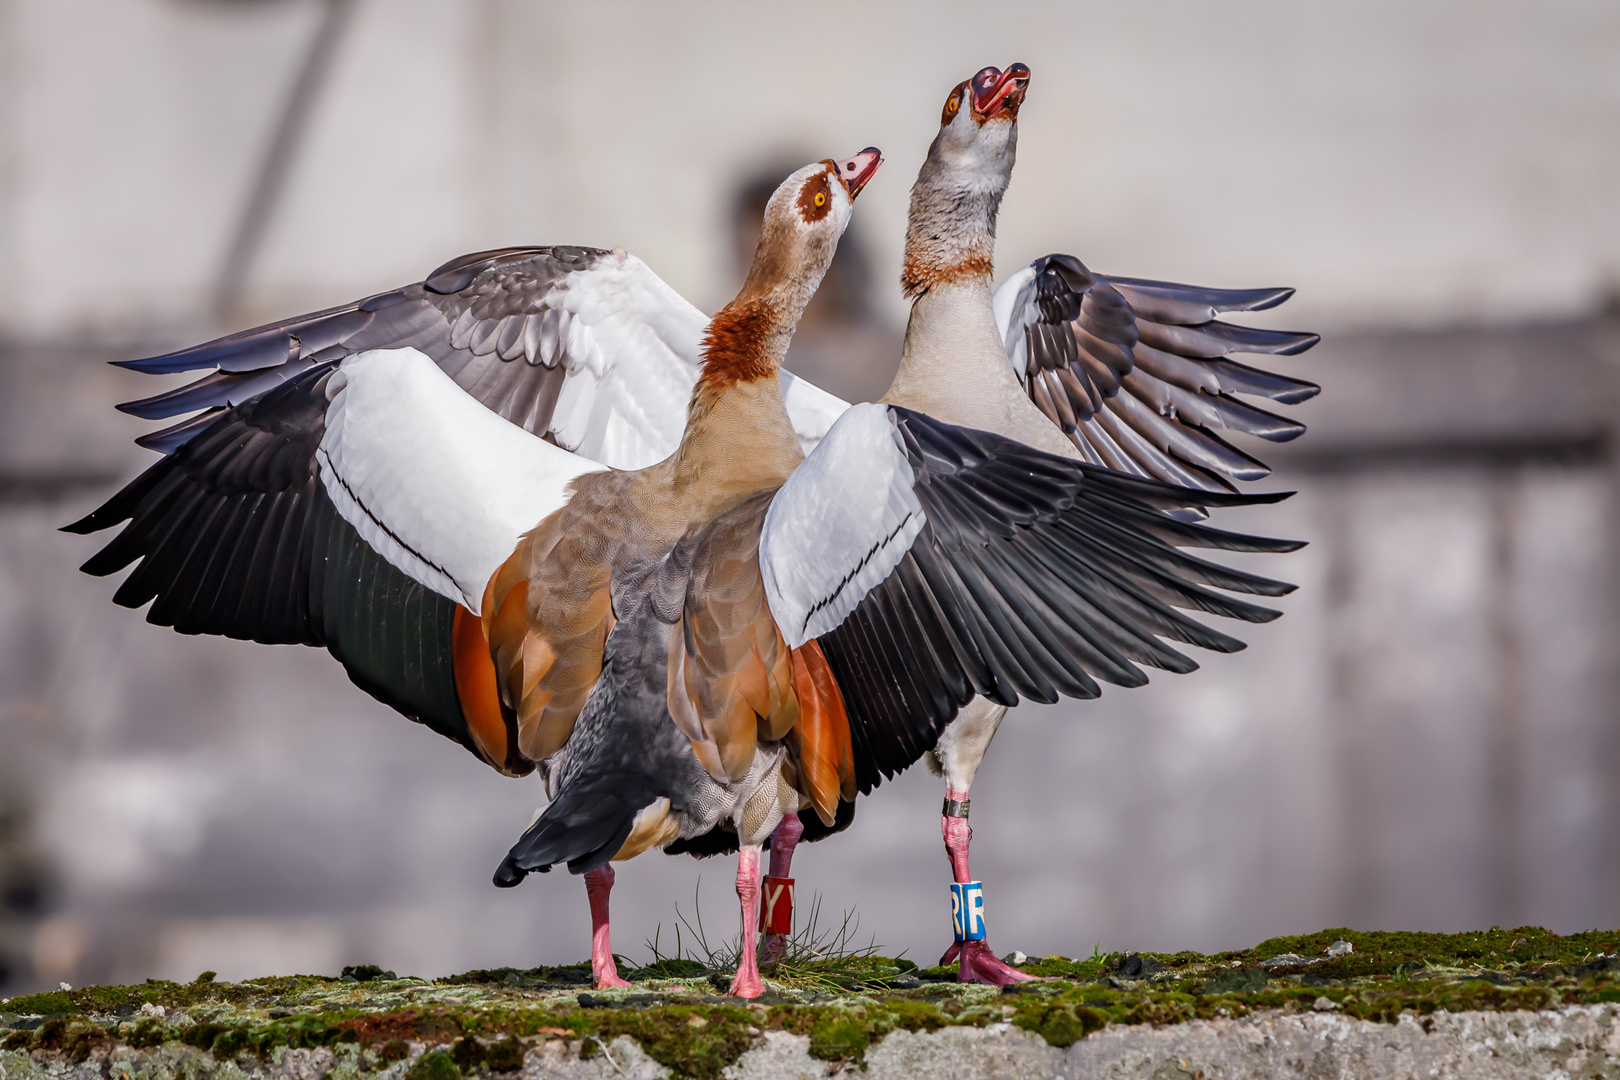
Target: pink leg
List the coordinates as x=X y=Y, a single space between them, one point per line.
x=747 y=984
x=975 y=961
x=783 y=841
x=604 y=972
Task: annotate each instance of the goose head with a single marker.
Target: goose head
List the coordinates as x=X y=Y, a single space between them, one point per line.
x=806 y=215
x=952 y=224
x=978 y=129
x=804 y=219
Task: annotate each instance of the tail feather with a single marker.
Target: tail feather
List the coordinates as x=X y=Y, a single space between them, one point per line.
x=585 y=828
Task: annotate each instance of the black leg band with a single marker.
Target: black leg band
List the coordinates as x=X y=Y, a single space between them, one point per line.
x=956 y=807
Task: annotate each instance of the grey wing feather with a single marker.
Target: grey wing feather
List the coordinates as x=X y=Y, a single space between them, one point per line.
x=492 y=320
x=1138 y=373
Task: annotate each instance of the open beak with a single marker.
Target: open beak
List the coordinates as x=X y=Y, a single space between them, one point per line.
x=998 y=92
x=856 y=171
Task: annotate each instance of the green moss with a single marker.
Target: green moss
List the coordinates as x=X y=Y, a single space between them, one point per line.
x=1061 y=1024
x=503 y=1055
x=839 y=1036
x=1380 y=952
x=481 y=1023
x=148 y=1033
x=434 y=1065
x=171 y=995
x=915 y=1015
x=695 y=1041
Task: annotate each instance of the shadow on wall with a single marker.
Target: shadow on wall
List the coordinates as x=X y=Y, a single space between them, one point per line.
x=842 y=345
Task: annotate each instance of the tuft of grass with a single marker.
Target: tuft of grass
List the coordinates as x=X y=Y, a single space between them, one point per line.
x=817 y=957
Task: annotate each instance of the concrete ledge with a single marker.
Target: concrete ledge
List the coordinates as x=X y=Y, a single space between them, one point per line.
x=1576 y=1041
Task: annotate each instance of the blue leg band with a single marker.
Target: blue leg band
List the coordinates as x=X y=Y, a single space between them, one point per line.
x=967 y=910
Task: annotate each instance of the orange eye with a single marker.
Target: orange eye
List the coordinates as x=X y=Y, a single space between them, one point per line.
x=821 y=198
x=952 y=105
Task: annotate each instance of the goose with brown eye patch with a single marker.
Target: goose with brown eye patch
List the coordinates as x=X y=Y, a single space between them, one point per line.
x=815 y=199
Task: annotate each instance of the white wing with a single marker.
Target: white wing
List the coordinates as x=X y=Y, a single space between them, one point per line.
x=435 y=483
x=839 y=525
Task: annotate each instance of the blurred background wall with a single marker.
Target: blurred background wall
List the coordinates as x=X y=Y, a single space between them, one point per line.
x=1428 y=740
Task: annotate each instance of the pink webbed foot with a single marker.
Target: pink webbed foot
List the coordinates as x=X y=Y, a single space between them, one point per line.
x=605 y=975
x=746 y=984
x=604 y=972
x=951 y=953
x=979 y=965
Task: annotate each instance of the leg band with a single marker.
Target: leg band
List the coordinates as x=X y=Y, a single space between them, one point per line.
x=967 y=910
x=776 y=905
x=956 y=807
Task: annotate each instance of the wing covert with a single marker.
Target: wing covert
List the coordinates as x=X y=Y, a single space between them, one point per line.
x=586 y=347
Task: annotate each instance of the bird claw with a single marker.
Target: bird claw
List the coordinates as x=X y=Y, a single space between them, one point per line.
x=606 y=976
x=979 y=965
x=950 y=953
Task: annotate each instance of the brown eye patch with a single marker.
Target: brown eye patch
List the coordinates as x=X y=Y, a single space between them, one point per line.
x=953 y=104
x=815 y=198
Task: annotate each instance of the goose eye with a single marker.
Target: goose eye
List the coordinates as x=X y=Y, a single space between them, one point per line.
x=952 y=105
x=821 y=198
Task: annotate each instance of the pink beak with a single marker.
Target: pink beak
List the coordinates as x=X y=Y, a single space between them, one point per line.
x=856 y=171
x=996 y=92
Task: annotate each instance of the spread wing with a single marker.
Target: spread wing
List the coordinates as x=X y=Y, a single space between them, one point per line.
x=361 y=505
x=933 y=563
x=1139 y=373
x=586 y=347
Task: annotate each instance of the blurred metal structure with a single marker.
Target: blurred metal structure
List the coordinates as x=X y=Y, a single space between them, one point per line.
x=1427 y=740
x=279 y=157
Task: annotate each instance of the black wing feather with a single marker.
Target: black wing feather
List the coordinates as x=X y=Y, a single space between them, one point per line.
x=233 y=534
x=1034 y=576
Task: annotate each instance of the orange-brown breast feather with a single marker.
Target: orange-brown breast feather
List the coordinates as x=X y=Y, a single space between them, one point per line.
x=734 y=347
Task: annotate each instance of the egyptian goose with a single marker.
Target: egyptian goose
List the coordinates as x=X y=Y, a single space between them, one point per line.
x=348 y=495
x=1124 y=373
x=584 y=346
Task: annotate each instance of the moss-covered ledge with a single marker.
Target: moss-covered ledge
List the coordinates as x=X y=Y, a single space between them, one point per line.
x=1354 y=1003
